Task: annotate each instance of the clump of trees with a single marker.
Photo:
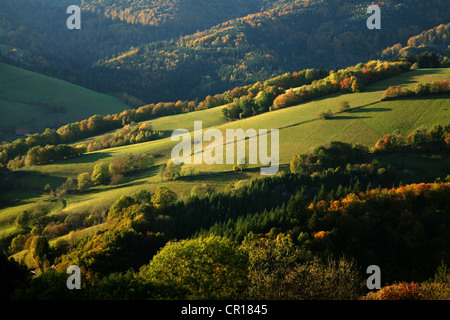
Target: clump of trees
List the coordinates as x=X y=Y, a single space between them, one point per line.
x=422 y=89
x=423 y=138
x=50 y=153
x=325 y=115
x=129 y=134
x=114 y=172
x=352 y=79
x=340 y=154
x=248 y=101
x=343 y=106
x=331 y=156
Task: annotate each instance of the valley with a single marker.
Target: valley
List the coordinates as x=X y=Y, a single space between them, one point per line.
x=354 y=121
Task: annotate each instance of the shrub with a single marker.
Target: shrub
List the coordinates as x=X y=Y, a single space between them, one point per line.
x=84 y=181
x=17 y=244
x=117 y=179
x=100 y=174
x=172 y=170
x=343 y=106
x=55 y=230
x=164 y=197
x=412 y=291
x=212 y=267
x=392 y=92
x=324 y=115
x=398 y=291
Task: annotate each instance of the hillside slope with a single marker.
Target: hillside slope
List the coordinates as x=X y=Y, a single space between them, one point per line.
x=300 y=130
x=292 y=36
x=185 y=16
x=35 y=102
x=434 y=40
x=241 y=42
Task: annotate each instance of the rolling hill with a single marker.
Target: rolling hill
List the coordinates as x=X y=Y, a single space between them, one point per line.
x=364 y=150
x=433 y=40
x=247 y=41
x=112 y=227
x=35 y=102
x=293 y=35
x=368 y=120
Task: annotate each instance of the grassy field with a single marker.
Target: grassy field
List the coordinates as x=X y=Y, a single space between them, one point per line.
x=300 y=130
x=33 y=101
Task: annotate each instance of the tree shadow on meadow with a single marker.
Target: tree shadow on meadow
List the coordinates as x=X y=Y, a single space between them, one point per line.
x=340 y=117
x=404 y=79
x=85 y=158
x=27 y=186
x=372 y=109
x=214 y=176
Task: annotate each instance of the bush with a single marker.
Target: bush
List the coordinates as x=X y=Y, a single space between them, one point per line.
x=208 y=268
x=412 y=291
x=117 y=179
x=343 y=106
x=23 y=221
x=100 y=174
x=84 y=181
x=17 y=244
x=324 y=115
x=38 y=247
x=392 y=92
x=164 y=197
x=172 y=170
x=55 y=230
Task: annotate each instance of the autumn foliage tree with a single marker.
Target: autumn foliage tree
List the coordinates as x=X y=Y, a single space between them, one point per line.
x=211 y=268
x=100 y=175
x=164 y=197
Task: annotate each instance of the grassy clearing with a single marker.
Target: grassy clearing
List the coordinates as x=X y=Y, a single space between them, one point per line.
x=34 y=101
x=300 y=130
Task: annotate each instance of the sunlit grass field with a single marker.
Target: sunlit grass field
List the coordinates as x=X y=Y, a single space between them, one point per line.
x=33 y=101
x=300 y=130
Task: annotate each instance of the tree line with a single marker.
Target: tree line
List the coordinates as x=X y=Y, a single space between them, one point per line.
x=422 y=89
x=352 y=79
x=241 y=102
x=284 y=236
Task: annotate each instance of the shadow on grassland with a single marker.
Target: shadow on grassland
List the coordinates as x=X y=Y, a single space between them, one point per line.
x=403 y=79
x=85 y=158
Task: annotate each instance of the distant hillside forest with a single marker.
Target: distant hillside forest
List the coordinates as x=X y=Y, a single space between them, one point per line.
x=143 y=54
x=305 y=234
x=364 y=151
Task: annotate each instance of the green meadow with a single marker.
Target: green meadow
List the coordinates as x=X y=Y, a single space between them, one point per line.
x=300 y=130
x=33 y=101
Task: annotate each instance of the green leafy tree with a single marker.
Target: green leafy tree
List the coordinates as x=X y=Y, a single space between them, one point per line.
x=84 y=181
x=17 y=243
x=39 y=247
x=164 y=197
x=23 y=221
x=172 y=170
x=211 y=268
x=100 y=174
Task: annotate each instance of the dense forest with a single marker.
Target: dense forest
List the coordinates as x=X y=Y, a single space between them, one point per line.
x=435 y=40
x=155 y=240
x=282 y=91
x=159 y=231
x=143 y=61
x=183 y=16
x=249 y=49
